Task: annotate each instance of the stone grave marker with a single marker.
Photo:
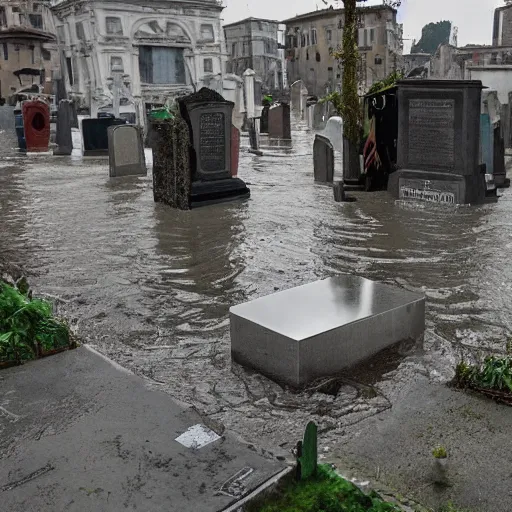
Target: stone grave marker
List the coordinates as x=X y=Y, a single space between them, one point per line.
x=438 y=154
x=334 y=132
x=307 y=453
x=126 y=151
x=235 y=150
x=208 y=116
x=316 y=330
x=279 y=122
x=319 y=116
x=323 y=160
x=65 y=120
x=299 y=94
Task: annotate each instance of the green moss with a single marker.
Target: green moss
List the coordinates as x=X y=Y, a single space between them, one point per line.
x=28 y=329
x=324 y=492
x=439 y=452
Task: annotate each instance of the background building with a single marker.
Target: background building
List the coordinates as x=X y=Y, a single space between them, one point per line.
x=254 y=43
x=161 y=49
x=502 y=29
x=311 y=37
x=28 y=48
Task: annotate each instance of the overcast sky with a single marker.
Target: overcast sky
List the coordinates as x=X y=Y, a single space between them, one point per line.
x=474 y=18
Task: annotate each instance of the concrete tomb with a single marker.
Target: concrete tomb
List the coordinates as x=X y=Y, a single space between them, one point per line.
x=317 y=330
x=323 y=160
x=439 y=142
x=66 y=118
x=126 y=151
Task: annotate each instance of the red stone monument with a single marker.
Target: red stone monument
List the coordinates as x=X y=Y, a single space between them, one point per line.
x=36 y=123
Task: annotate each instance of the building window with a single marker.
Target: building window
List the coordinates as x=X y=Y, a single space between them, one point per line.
x=378 y=60
x=6 y=51
x=70 y=70
x=207 y=33
x=303 y=40
x=46 y=54
x=318 y=57
x=3 y=18
x=114 y=26
x=307 y=54
x=340 y=24
x=80 y=33
x=208 y=65
x=307 y=39
x=372 y=35
x=32 y=54
x=329 y=35
x=233 y=49
x=36 y=20
x=116 y=65
x=61 y=35
x=161 y=65
x=313 y=36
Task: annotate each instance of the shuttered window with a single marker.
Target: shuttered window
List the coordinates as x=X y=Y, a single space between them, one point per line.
x=160 y=65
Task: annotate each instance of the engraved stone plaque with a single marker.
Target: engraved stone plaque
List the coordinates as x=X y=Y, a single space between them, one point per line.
x=432 y=132
x=212 y=142
x=434 y=191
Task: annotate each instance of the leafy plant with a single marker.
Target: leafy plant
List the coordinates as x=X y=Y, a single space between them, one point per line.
x=495 y=374
x=27 y=327
x=324 y=492
x=439 y=452
x=389 y=81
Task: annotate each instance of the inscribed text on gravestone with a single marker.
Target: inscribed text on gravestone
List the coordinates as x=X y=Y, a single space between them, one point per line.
x=432 y=132
x=212 y=142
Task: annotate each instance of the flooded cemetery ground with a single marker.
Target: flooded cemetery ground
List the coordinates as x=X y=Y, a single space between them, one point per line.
x=151 y=287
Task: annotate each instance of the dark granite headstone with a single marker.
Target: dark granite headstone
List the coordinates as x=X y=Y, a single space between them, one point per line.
x=323 y=160
x=208 y=116
x=126 y=151
x=439 y=142
x=64 y=123
x=264 y=119
x=279 y=122
x=95 y=135
x=170 y=141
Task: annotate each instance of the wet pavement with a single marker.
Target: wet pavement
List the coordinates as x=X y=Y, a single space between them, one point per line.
x=151 y=287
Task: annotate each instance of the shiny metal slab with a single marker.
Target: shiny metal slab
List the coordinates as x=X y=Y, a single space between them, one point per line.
x=320 y=328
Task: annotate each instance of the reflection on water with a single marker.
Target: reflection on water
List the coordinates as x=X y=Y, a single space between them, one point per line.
x=151 y=287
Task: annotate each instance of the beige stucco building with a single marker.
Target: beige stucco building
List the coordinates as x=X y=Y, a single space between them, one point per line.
x=311 y=37
x=28 y=48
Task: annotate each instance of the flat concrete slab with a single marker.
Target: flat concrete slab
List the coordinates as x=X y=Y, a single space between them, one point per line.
x=78 y=434
x=320 y=328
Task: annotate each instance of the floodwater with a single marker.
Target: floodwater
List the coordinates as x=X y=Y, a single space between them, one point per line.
x=151 y=287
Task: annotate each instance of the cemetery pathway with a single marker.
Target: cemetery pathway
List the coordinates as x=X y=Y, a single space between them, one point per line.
x=151 y=287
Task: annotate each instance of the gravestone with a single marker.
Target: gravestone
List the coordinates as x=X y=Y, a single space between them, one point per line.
x=65 y=120
x=235 y=150
x=208 y=116
x=170 y=142
x=298 y=95
x=264 y=119
x=95 y=135
x=307 y=453
x=126 y=151
x=318 y=329
x=334 y=132
x=323 y=160
x=36 y=124
x=319 y=114
x=279 y=122
x=438 y=154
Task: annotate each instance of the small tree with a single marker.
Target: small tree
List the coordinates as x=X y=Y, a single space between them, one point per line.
x=348 y=55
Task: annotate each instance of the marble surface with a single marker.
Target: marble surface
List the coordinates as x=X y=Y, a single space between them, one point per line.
x=308 y=310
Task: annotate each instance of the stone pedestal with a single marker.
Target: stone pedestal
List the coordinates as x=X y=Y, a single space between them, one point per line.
x=318 y=329
x=279 y=122
x=65 y=121
x=439 y=142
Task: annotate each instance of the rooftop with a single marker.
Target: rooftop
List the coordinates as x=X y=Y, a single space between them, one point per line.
x=331 y=11
x=241 y=22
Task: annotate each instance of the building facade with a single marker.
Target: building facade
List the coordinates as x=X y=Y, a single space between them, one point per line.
x=502 y=29
x=311 y=37
x=254 y=44
x=159 y=49
x=28 y=48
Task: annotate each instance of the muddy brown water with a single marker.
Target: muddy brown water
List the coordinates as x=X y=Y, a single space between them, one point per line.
x=150 y=287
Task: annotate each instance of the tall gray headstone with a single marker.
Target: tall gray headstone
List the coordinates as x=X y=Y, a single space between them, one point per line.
x=126 y=151
x=439 y=142
x=323 y=160
x=65 y=121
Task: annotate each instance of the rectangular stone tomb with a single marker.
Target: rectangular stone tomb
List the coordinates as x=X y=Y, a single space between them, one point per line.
x=317 y=330
x=126 y=151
